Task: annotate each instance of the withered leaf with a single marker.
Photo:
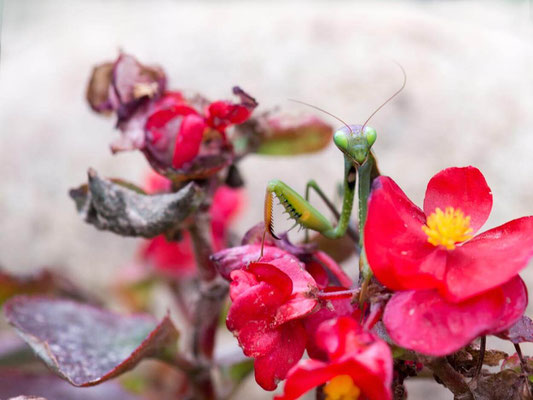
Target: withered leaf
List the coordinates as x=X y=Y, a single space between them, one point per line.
x=86 y=345
x=507 y=385
x=114 y=207
x=98 y=87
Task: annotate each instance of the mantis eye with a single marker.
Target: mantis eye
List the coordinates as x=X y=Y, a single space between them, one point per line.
x=340 y=138
x=371 y=135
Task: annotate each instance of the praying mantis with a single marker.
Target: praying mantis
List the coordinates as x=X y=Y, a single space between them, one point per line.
x=355 y=142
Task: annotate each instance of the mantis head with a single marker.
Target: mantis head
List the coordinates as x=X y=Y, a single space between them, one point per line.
x=355 y=141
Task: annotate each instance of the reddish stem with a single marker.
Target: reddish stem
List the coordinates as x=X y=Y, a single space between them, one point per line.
x=339 y=294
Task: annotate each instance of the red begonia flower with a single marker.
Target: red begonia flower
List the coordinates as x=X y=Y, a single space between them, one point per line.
x=174 y=131
x=329 y=309
x=422 y=320
x=408 y=248
x=268 y=302
x=221 y=114
x=457 y=286
x=359 y=365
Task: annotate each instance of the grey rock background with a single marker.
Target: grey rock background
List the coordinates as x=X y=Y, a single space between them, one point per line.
x=469 y=100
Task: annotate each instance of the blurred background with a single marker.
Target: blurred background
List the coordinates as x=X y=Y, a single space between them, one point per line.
x=468 y=101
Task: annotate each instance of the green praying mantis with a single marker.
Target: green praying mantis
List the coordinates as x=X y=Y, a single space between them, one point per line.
x=355 y=142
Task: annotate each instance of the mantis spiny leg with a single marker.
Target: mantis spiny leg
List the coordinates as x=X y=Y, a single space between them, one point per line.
x=304 y=214
x=312 y=184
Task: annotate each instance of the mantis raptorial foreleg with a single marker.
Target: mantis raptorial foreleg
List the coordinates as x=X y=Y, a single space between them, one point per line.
x=304 y=214
x=312 y=184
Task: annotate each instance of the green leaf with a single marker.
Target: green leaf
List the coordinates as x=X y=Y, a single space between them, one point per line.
x=286 y=135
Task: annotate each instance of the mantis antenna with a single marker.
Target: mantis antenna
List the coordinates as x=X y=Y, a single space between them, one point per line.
x=396 y=93
x=324 y=111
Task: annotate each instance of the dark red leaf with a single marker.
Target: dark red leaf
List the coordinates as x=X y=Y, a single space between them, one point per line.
x=10 y=285
x=43 y=281
x=521 y=331
x=32 y=385
x=83 y=344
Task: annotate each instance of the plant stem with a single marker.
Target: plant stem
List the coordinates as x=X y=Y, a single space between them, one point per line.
x=343 y=294
x=208 y=306
x=521 y=358
x=449 y=377
x=481 y=357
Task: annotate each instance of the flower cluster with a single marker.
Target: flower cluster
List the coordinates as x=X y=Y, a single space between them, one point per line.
x=449 y=287
x=279 y=309
x=182 y=138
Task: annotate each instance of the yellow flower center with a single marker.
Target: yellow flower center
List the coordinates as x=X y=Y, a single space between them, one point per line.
x=447 y=228
x=341 y=388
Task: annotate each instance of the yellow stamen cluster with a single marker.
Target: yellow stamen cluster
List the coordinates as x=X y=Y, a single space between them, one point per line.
x=447 y=228
x=341 y=388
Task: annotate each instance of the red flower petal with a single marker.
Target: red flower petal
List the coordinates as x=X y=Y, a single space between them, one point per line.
x=489 y=260
x=188 y=140
x=251 y=315
x=305 y=376
x=425 y=322
x=460 y=188
x=221 y=114
x=302 y=280
x=342 y=336
x=241 y=281
x=174 y=259
x=238 y=257
x=395 y=242
x=156 y=183
x=318 y=273
x=273 y=276
x=515 y=292
x=334 y=268
x=287 y=350
x=298 y=306
x=226 y=204
x=333 y=309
